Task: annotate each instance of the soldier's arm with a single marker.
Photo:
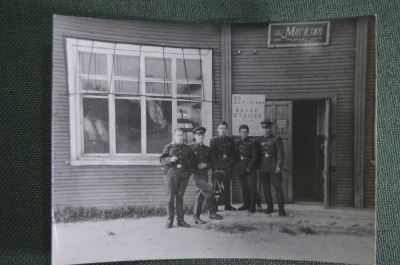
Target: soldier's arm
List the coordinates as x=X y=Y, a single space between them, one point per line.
x=165 y=159
x=254 y=156
x=213 y=155
x=191 y=157
x=233 y=152
x=191 y=160
x=280 y=152
x=209 y=162
x=259 y=151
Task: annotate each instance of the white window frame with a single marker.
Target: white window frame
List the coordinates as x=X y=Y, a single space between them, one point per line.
x=74 y=46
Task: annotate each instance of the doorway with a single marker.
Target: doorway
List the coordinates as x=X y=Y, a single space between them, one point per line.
x=308 y=157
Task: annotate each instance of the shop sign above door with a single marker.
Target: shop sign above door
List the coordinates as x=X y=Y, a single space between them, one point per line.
x=298 y=34
x=248 y=110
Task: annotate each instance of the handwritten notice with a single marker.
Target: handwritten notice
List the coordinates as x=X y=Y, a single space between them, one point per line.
x=248 y=110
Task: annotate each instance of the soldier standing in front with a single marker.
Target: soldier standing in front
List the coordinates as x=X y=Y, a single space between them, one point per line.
x=202 y=163
x=247 y=153
x=177 y=160
x=270 y=167
x=223 y=158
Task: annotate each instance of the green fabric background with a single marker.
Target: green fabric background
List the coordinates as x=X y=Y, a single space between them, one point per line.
x=25 y=106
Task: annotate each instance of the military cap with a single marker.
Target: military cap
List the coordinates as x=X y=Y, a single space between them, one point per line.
x=219 y=175
x=199 y=130
x=266 y=123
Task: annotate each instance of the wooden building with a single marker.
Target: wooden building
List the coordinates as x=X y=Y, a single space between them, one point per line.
x=121 y=87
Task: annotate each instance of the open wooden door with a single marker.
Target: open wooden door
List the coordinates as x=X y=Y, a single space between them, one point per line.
x=327 y=153
x=280 y=113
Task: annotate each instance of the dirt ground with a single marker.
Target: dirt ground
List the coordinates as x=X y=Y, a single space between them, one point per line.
x=309 y=232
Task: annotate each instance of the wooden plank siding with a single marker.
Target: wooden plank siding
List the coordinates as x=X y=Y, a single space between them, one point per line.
x=309 y=69
x=117 y=185
x=360 y=88
x=370 y=118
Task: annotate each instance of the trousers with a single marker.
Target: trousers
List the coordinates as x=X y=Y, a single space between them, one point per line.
x=248 y=182
x=204 y=191
x=175 y=190
x=266 y=179
x=227 y=185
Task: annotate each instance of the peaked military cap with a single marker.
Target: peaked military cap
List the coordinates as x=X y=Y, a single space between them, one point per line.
x=266 y=123
x=199 y=130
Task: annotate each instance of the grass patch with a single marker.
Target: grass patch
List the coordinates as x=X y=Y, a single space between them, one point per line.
x=77 y=214
x=286 y=230
x=234 y=228
x=307 y=230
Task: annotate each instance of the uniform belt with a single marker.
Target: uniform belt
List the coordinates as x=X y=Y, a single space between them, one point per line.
x=270 y=155
x=222 y=156
x=178 y=168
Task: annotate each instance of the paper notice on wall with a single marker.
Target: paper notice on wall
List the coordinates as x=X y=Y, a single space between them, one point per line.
x=248 y=110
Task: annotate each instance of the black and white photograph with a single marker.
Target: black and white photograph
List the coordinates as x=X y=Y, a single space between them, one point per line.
x=213 y=140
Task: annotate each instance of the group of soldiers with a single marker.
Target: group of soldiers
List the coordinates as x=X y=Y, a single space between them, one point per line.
x=224 y=155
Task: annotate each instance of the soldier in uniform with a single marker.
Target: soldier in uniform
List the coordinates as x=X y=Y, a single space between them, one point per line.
x=270 y=166
x=223 y=158
x=246 y=152
x=177 y=159
x=202 y=163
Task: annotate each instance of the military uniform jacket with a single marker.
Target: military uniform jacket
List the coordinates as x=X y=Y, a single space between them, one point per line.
x=220 y=147
x=201 y=154
x=183 y=166
x=247 y=152
x=271 y=152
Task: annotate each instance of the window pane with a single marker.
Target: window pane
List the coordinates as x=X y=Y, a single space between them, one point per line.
x=95 y=125
x=159 y=125
x=193 y=69
x=126 y=87
x=195 y=90
x=157 y=68
x=94 y=64
x=128 y=125
x=94 y=84
x=159 y=88
x=189 y=117
x=127 y=66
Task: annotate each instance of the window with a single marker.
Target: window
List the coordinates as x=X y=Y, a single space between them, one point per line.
x=126 y=100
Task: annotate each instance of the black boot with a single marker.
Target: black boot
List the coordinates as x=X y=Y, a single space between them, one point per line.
x=198 y=221
x=258 y=202
x=183 y=223
x=170 y=214
x=252 y=208
x=244 y=207
x=179 y=213
x=270 y=209
x=212 y=209
x=281 y=210
x=169 y=223
x=197 y=212
x=214 y=216
x=230 y=208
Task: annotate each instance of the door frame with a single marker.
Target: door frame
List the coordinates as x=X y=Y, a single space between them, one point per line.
x=293 y=96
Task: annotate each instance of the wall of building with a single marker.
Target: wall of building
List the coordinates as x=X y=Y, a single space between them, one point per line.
x=117 y=185
x=304 y=69
x=271 y=70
